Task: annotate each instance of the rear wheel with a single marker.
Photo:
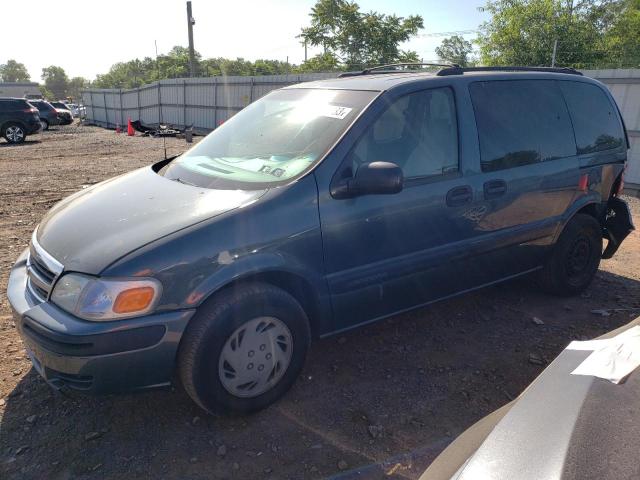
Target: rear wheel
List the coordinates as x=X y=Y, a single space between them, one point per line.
x=14 y=133
x=575 y=258
x=244 y=349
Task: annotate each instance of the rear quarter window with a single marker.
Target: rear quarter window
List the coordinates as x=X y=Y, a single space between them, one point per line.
x=10 y=105
x=595 y=118
x=521 y=122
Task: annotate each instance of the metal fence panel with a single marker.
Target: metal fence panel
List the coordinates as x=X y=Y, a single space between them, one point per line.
x=202 y=102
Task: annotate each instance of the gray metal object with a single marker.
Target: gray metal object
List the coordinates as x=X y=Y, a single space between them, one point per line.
x=562 y=427
x=255 y=357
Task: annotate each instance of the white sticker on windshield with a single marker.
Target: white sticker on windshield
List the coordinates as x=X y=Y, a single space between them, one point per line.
x=336 y=111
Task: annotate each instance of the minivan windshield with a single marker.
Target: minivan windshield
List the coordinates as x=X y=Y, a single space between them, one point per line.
x=272 y=141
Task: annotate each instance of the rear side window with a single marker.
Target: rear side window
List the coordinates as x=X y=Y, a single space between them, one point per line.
x=418 y=132
x=595 y=119
x=42 y=106
x=10 y=105
x=521 y=122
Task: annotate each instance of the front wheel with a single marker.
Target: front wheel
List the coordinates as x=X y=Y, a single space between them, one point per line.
x=575 y=258
x=44 y=124
x=244 y=349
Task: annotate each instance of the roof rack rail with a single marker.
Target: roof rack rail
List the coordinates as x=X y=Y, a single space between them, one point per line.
x=457 y=70
x=393 y=68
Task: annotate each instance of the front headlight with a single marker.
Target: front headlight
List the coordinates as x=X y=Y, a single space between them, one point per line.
x=103 y=299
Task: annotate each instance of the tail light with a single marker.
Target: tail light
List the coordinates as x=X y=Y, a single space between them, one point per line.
x=31 y=110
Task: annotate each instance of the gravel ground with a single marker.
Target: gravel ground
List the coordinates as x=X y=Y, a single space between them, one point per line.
x=383 y=400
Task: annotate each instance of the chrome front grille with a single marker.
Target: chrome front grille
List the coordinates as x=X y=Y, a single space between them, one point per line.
x=42 y=271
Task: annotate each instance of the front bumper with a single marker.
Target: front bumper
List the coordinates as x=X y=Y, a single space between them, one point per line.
x=96 y=357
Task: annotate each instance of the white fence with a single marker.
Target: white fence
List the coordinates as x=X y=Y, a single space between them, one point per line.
x=202 y=102
x=207 y=102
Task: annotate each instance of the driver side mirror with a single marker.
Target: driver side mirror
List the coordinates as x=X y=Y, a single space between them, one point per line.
x=375 y=178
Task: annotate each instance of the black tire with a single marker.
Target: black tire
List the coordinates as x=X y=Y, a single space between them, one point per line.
x=14 y=133
x=45 y=124
x=575 y=258
x=202 y=345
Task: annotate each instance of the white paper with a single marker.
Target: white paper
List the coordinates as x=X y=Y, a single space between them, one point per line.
x=336 y=111
x=613 y=358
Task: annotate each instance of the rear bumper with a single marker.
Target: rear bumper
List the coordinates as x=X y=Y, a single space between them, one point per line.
x=33 y=126
x=96 y=357
x=618 y=225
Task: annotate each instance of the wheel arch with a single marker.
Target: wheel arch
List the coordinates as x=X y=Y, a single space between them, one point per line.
x=305 y=291
x=589 y=205
x=10 y=122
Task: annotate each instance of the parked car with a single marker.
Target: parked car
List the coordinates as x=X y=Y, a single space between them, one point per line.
x=18 y=119
x=64 y=113
x=49 y=115
x=75 y=111
x=321 y=207
x=563 y=426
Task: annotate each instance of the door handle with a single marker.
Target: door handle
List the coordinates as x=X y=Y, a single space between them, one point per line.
x=494 y=189
x=458 y=196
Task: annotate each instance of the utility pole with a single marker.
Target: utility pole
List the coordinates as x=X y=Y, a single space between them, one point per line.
x=305 y=50
x=190 y=23
x=553 y=56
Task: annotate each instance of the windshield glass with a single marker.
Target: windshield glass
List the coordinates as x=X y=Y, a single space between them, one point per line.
x=273 y=140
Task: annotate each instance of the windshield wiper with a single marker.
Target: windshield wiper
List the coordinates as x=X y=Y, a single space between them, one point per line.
x=178 y=179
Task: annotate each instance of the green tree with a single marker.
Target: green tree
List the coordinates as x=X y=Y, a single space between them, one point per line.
x=455 y=49
x=324 y=62
x=523 y=32
x=622 y=35
x=13 y=71
x=55 y=81
x=175 y=64
x=131 y=74
x=227 y=67
x=359 y=39
x=75 y=87
x=271 y=67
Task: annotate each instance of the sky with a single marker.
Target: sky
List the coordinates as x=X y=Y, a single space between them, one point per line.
x=86 y=37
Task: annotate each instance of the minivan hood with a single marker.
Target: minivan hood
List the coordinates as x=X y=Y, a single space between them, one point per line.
x=89 y=230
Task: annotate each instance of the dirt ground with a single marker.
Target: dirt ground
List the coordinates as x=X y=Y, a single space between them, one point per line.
x=379 y=402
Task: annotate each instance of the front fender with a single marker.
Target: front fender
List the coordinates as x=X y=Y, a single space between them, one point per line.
x=269 y=265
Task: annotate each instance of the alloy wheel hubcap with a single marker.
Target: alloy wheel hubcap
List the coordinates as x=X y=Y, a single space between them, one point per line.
x=255 y=357
x=14 y=134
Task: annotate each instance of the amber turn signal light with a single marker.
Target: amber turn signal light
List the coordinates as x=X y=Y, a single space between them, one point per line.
x=133 y=300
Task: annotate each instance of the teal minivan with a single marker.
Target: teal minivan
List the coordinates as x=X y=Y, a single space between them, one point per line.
x=319 y=208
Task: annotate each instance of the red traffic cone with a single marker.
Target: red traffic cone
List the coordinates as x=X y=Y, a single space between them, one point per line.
x=130 y=131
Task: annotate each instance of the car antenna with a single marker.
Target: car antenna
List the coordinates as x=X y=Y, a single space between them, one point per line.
x=164 y=137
